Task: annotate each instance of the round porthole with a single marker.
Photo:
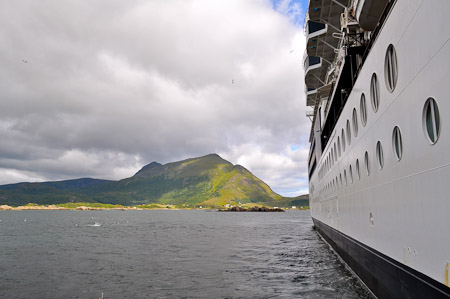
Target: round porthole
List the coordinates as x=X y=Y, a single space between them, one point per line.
x=380 y=156
x=375 y=92
x=343 y=140
x=355 y=122
x=335 y=153
x=349 y=135
x=390 y=68
x=367 y=162
x=397 y=145
x=358 y=174
x=350 y=172
x=339 y=146
x=363 y=109
x=431 y=120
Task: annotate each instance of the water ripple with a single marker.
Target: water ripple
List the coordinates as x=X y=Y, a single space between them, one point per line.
x=168 y=254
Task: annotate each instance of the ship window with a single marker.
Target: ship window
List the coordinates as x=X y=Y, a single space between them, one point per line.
x=431 y=120
x=390 y=68
x=335 y=153
x=397 y=143
x=350 y=172
x=355 y=122
x=345 y=177
x=375 y=92
x=367 y=162
x=343 y=140
x=363 y=110
x=358 y=174
x=339 y=146
x=349 y=136
x=380 y=157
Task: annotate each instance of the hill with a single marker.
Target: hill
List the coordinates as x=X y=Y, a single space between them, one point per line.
x=207 y=181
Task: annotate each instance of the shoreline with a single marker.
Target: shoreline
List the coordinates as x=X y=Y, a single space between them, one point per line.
x=78 y=208
x=82 y=207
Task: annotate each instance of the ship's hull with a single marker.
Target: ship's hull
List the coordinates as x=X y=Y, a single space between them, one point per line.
x=389 y=221
x=384 y=276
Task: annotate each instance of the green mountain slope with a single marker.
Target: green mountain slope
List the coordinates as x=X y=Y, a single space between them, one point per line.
x=208 y=181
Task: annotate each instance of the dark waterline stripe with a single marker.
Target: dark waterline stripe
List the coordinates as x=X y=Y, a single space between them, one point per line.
x=384 y=276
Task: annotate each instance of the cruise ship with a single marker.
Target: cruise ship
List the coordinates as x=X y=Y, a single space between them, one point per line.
x=377 y=77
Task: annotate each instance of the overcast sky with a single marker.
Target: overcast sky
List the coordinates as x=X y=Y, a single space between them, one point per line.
x=101 y=88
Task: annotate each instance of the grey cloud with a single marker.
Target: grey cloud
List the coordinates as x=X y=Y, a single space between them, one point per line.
x=109 y=86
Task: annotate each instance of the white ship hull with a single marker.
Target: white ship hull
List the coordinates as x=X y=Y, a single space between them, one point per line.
x=390 y=223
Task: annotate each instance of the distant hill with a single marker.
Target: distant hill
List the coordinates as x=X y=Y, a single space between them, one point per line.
x=207 y=181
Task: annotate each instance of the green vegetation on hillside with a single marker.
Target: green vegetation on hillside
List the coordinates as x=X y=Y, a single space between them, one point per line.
x=208 y=181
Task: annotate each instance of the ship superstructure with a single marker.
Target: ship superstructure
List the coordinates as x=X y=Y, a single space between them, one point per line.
x=376 y=75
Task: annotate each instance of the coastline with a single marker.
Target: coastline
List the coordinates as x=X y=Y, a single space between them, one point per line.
x=83 y=207
x=77 y=208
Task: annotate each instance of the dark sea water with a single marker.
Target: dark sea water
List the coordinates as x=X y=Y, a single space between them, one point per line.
x=168 y=254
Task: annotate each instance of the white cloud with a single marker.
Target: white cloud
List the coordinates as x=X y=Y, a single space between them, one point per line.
x=112 y=85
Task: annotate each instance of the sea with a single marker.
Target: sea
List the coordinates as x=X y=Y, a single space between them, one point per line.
x=168 y=254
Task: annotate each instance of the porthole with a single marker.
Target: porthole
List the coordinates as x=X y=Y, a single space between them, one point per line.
x=345 y=177
x=335 y=153
x=431 y=120
x=339 y=146
x=363 y=110
x=358 y=174
x=349 y=135
x=343 y=140
x=390 y=68
x=397 y=145
x=367 y=162
x=350 y=172
x=375 y=92
x=380 y=156
x=355 y=122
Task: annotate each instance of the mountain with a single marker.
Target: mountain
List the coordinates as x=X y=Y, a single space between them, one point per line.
x=208 y=181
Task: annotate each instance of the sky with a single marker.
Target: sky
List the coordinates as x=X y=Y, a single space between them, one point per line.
x=101 y=88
